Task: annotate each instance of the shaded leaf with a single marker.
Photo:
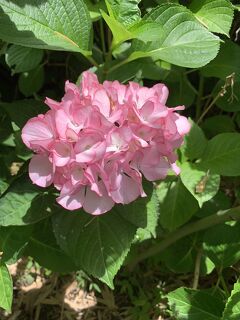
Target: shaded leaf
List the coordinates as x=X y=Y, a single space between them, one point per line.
x=22 y=59
x=222 y=154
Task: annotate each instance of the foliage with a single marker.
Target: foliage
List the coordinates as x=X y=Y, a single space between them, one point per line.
x=188 y=224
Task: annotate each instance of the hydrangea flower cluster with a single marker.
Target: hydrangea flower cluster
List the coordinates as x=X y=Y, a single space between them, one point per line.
x=97 y=143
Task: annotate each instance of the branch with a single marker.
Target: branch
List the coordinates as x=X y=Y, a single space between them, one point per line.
x=172 y=237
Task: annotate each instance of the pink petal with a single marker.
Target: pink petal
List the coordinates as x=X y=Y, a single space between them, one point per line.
x=95 y=204
x=128 y=190
x=37 y=133
x=72 y=201
x=41 y=170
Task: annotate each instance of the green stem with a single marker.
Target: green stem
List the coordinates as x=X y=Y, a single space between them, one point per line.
x=199 y=98
x=224 y=285
x=172 y=237
x=197 y=268
x=92 y=61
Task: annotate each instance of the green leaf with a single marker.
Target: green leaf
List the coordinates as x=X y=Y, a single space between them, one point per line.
x=24 y=204
x=218 y=124
x=44 y=249
x=13 y=241
x=222 y=155
x=53 y=24
x=230 y=101
x=178 y=257
x=126 y=12
x=232 y=308
x=94 y=9
x=221 y=244
x=21 y=111
x=31 y=82
x=177 y=205
x=216 y=15
x=193 y=179
x=6 y=288
x=222 y=66
x=3 y=186
x=179 y=38
x=219 y=202
x=120 y=33
x=22 y=59
x=194 y=142
x=189 y=304
x=97 y=244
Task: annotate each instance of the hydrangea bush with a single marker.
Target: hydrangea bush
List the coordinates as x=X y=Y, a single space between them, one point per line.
x=141 y=150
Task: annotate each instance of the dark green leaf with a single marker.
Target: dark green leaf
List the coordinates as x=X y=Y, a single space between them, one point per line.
x=221 y=244
x=31 y=82
x=222 y=155
x=189 y=304
x=97 y=244
x=218 y=124
x=22 y=110
x=22 y=59
x=44 y=249
x=24 y=204
x=223 y=65
x=194 y=142
x=177 y=205
x=13 y=241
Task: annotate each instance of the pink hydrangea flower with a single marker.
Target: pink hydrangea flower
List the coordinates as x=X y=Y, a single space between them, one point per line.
x=96 y=145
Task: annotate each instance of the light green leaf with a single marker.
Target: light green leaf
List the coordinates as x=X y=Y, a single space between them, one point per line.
x=216 y=15
x=223 y=66
x=221 y=244
x=94 y=9
x=126 y=12
x=22 y=59
x=6 y=288
x=24 y=204
x=177 y=205
x=31 y=82
x=194 y=142
x=192 y=177
x=13 y=241
x=232 y=308
x=53 y=24
x=180 y=38
x=97 y=244
x=189 y=304
x=222 y=155
x=120 y=33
